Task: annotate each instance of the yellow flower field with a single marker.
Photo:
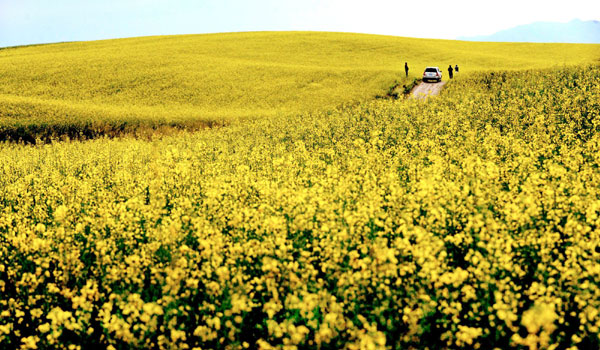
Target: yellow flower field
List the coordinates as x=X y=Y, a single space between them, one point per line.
x=470 y=221
x=111 y=87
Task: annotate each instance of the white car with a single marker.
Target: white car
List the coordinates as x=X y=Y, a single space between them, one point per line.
x=432 y=73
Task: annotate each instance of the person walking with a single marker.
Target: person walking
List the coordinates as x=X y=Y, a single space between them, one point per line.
x=450 y=71
x=456 y=68
x=406 y=68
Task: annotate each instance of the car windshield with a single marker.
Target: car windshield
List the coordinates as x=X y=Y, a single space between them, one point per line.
x=430 y=70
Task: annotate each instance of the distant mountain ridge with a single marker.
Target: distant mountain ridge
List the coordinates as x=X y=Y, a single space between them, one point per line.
x=575 y=31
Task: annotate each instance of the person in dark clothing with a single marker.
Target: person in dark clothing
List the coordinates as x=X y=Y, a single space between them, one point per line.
x=456 y=68
x=450 y=71
x=406 y=68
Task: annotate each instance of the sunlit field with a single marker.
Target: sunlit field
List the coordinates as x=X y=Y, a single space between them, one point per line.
x=87 y=89
x=470 y=220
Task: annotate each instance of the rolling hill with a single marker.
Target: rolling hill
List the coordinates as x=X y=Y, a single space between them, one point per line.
x=471 y=221
x=85 y=89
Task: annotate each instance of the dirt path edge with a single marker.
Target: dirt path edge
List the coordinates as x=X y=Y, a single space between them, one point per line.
x=424 y=90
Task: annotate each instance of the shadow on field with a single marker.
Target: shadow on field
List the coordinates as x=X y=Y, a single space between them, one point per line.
x=32 y=134
x=398 y=90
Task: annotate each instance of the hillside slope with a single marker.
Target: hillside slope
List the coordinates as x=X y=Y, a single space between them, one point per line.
x=104 y=87
x=468 y=222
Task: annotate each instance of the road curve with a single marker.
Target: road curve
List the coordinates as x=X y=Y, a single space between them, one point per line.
x=424 y=90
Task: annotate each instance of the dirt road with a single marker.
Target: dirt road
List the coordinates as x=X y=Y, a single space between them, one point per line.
x=424 y=90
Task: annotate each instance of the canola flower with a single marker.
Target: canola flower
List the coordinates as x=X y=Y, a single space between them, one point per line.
x=85 y=90
x=470 y=221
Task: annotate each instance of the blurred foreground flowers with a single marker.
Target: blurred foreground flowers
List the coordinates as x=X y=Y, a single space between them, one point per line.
x=469 y=221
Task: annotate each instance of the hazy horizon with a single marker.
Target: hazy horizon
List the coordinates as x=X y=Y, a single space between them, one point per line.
x=30 y=22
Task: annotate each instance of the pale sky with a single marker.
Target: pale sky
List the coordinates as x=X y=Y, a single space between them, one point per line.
x=42 y=21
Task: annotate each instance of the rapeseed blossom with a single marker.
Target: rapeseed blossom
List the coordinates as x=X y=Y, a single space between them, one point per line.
x=144 y=86
x=469 y=221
